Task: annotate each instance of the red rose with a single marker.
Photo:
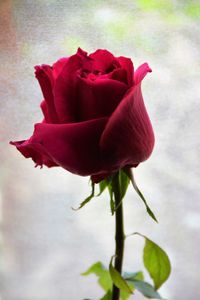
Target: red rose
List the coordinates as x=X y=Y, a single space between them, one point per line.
x=95 y=121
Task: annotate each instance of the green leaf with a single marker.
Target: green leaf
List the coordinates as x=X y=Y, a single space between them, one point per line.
x=146 y=289
x=105 y=281
x=103 y=275
x=156 y=262
x=134 y=276
x=130 y=277
x=107 y=296
x=87 y=199
x=149 y=211
x=118 y=280
x=124 y=295
x=96 y=268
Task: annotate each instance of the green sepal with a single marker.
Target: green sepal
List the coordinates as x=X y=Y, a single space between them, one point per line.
x=111 y=193
x=118 y=280
x=124 y=181
x=107 y=183
x=102 y=186
x=87 y=199
x=149 y=211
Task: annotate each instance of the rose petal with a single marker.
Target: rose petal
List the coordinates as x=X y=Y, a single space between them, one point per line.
x=104 y=61
x=58 y=66
x=65 y=89
x=96 y=178
x=127 y=64
x=141 y=72
x=86 y=61
x=45 y=78
x=74 y=146
x=36 y=151
x=44 y=108
x=128 y=137
x=119 y=75
x=99 y=98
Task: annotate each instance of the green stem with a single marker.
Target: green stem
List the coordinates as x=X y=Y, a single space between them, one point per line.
x=119 y=232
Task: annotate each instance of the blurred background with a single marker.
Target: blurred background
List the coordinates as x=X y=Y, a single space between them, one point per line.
x=44 y=244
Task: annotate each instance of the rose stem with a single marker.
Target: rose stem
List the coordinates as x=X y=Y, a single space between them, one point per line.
x=119 y=233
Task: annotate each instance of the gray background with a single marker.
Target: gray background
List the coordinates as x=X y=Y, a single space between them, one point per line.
x=45 y=245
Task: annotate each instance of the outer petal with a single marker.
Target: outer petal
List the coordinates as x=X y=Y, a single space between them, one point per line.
x=74 y=146
x=128 y=137
x=45 y=77
x=44 y=108
x=36 y=151
x=99 y=98
x=141 y=72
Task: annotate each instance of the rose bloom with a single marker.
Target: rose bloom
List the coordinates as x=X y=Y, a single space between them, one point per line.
x=95 y=121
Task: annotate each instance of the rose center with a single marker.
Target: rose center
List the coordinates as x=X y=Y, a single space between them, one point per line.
x=93 y=75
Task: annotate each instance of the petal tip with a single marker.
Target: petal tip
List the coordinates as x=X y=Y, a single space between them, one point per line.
x=141 y=72
x=148 y=69
x=16 y=143
x=81 y=52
